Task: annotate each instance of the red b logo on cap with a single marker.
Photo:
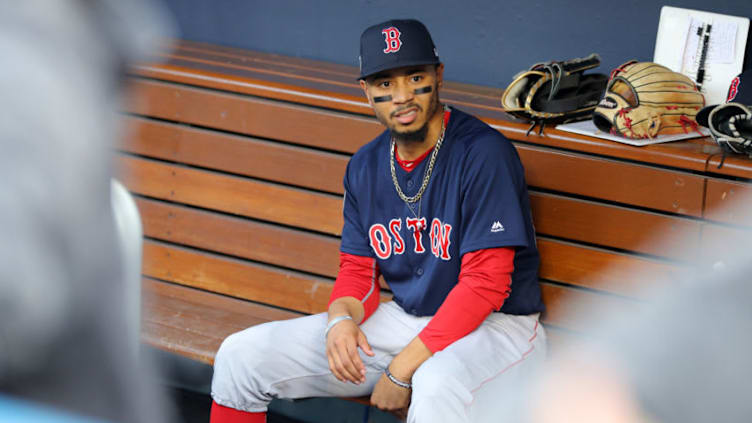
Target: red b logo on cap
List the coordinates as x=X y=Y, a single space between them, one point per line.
x=392 y=38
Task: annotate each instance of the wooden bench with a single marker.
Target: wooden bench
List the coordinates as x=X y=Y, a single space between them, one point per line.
x=236 y=159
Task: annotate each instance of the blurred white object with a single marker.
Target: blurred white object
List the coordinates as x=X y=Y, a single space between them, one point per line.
x=129 y=233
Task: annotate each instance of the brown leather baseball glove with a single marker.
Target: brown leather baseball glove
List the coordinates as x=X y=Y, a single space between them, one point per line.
x=645 y=99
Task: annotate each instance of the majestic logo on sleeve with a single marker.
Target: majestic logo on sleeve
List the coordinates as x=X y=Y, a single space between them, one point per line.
x=392 y=38
x=497 y=227
x=387 y=241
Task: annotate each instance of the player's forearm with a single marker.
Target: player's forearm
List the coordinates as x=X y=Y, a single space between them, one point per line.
x=407 y=362
x=347 y=306
x=357 y=279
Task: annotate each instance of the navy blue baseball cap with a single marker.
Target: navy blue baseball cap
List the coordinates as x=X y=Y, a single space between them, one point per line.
x=740 y=91
x=394 y=44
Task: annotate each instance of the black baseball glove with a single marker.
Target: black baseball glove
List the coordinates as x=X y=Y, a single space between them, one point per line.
x=555 y=92
x=731 y=126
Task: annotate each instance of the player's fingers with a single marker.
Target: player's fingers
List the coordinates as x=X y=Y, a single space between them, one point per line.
x=357 y=362
x=333 y=368
x=339 y=368
x=364 y=345
x=348 y=367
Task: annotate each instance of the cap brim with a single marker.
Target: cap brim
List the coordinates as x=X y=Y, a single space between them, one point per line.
x=390 y=66
x=703 y=114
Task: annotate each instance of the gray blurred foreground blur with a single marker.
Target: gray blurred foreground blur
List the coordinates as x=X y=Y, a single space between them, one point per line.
x=63 y=338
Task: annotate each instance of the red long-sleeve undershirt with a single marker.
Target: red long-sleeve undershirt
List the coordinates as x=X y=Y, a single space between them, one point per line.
x=483 y=285
x=358 y=277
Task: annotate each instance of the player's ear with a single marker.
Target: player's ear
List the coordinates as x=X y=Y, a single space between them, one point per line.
x=364 y=85
x=440 y=74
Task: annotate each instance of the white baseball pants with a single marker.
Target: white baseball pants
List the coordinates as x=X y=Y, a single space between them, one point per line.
x=465 y=382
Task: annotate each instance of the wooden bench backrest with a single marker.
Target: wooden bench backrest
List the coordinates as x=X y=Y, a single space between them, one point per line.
x=237 y=159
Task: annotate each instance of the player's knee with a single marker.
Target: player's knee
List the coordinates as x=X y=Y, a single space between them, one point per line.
x=433 y=383
x=238 y=379
x=242 y=351
x=436 y=393
x=237 y=382
x=246 y=345
x=429 y=383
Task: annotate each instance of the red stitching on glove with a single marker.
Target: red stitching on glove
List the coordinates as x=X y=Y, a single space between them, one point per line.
x=620 y=69
x=684 y=121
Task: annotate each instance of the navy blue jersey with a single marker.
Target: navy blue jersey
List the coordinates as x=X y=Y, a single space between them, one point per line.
x=476 y=199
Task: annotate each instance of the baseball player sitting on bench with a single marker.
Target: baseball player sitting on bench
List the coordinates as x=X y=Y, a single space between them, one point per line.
x=437 y=204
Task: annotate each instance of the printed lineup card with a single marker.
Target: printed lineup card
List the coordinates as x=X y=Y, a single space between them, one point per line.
x=719 y=48
x=707 y=47
x=587 y=127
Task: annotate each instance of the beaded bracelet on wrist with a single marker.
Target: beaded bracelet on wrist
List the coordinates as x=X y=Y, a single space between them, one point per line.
x=397 y=381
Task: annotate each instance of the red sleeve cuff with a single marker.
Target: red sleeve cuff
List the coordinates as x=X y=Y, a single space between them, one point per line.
x=358 y=277
x=483 y=286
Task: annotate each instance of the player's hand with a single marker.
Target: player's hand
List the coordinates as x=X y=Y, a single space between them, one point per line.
x=342 y=345
x=388 y=396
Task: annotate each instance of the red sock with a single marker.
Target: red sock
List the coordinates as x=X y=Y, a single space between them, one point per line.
x=222 y=414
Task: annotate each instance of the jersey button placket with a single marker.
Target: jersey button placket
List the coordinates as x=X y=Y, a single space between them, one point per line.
x=409 y=183
x=419 y=271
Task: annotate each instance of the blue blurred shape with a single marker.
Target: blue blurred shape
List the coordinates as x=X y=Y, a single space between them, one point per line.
x=16 y=410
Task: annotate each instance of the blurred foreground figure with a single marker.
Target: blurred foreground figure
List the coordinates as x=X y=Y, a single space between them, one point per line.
x=683 y=356
x=63 y=338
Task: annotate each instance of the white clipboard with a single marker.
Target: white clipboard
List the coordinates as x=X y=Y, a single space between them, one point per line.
x=678 y=47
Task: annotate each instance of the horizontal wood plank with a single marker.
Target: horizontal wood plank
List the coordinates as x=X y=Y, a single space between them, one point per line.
x=593 y=268
x=253 y=116
x=231 y=194
x=242 y=238
x=633 y=184
x=240 y=155
x=180 y=341
x=736 y=165
x=222 y=316
x=728 y=202
x=573 y=309
x=216 y=77
x=615 y=226
x=690 y=154
x=252 y=58
x=237 y=278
